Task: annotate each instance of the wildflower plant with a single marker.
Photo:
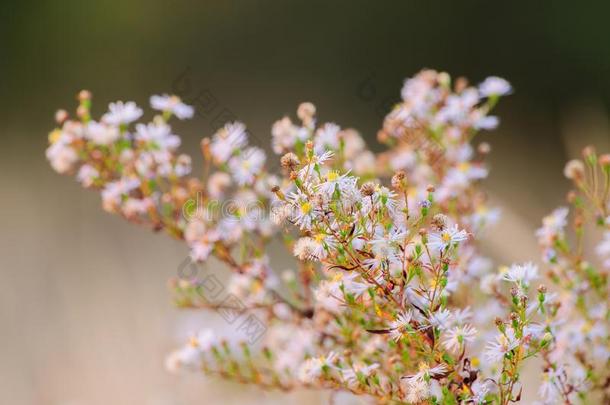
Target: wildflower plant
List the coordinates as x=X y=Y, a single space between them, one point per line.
x=390 y=297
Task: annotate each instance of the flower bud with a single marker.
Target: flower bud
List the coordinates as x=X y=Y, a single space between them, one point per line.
x=61 y=116
x=84 y=95
x=484 y=148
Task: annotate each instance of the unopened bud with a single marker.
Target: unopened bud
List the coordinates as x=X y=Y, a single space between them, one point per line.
x=61 y=116
x=542 y=289
x=484 y=148
x=84 y=95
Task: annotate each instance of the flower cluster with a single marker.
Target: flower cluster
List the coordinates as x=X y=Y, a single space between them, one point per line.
x=380 y=302
x=576 y=362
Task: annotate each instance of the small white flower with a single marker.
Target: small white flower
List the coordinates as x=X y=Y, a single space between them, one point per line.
x=401 y=325
x=521 y=273
x=101 y=134
x=350 y=376
x=457 y=336
x=61 y=156
x=504 y=343
x=495 y=86
x=227 y=140
x=86 y=175
x=122 y=113
x=327 y=138
x=313 y=367
x=172 y=104
x=447 y=238
x=158 y=134
x=307 y=248
x=247 y=165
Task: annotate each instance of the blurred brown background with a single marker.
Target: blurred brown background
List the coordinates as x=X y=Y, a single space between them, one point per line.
x=85 y=317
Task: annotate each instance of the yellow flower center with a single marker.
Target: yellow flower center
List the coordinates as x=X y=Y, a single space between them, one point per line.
x=332 y=176
x=54 y=136
x=306 y=207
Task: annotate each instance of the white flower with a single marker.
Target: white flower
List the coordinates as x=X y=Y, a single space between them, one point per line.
x=441 y=319
x=227 y=140
x=350 y=376
x=327 y=138
x=113 y=192
x=447 y=238
x=352 y=286
x=218 y=183
x=61 y=156
x=401 y=325
x=247 y=165
x=313 y=367
x=158 y=134
x=285 y=135
x=171 y=104
x=304 y=212
x=504 y=343
x=521 y=273
x=122 y=113
x=309 y=249
x=86 y=175
x=201 y=249
x=495 y=86
x=553 y=225
x=327 y=295
x=101 y=134
x=457 y=336
x=416 y=390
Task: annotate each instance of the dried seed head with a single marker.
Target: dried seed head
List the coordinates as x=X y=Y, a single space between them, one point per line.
x=574 y=170
x=368 y=189
x=289 y=161
x=430 y=188
x=398 y=180
x=542 y=289
x=439 y=221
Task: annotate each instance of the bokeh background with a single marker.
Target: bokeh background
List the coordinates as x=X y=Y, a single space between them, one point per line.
x=85 y=316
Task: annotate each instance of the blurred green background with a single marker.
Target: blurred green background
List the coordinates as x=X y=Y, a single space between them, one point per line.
x=85 y=314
